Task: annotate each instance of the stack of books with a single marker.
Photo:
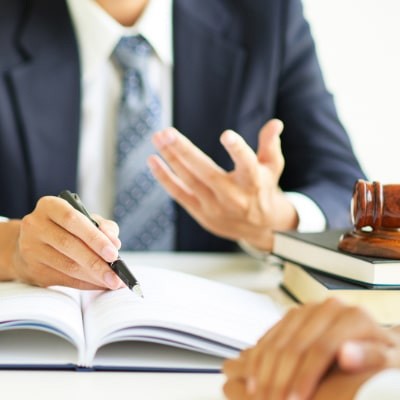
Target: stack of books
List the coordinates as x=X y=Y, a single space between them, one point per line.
x=315 y=269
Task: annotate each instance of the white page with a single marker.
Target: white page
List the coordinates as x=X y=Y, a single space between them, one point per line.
x=180 y=302
x=36 y=349
x=56 y=310
x=155 y=357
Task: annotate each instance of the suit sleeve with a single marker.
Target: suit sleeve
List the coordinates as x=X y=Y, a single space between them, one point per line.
x=320 y=162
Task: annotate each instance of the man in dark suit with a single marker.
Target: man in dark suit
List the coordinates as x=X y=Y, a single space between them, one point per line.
x=236 y=64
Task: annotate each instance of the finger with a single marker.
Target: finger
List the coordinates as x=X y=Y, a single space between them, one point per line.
x=176 y=148
x=350 y=323
x=278 y=335
x=110 y=229
x=74 y=260
x=243 y=156
x=72 y=257
x=186 y=177
x=235 y=389
x=277 y=376
x=234 y=368
x=172 y=184
x=81 y=227
x=269 y=146
x=357 y=356
x=266 y=351
x=44 y=275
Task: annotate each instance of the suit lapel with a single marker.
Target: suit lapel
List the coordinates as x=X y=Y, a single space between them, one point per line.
x=208 y=71
x=47 y=92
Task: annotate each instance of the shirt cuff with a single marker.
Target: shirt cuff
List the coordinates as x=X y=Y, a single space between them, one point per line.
x=3 y=219
x=383 y=386
x=311 y=218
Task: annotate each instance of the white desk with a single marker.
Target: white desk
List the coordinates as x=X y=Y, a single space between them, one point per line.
x=238 y=270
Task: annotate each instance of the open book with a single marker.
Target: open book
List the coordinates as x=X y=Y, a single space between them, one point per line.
x=184 y=323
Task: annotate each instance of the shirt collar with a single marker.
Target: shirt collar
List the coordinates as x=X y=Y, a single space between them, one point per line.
x=98 y=33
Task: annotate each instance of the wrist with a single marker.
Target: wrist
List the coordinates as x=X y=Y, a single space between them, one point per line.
x=285 y=216
x=281 y=215
x=9 y=233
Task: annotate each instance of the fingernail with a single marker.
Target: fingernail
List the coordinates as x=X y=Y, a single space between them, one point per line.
x=229 y=138
x=353 y=352
x=164 y=138
x=111 y=280
x=109 y=253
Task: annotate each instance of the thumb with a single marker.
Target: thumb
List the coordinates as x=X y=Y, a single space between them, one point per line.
x=269 y=145
x=356 y=356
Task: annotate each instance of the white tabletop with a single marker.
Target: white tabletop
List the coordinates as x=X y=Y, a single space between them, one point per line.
x=239 y=270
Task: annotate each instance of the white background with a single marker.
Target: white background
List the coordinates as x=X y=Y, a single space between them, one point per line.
x=358 y=43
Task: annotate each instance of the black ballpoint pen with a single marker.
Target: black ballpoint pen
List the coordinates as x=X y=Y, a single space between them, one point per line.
x=118 y=266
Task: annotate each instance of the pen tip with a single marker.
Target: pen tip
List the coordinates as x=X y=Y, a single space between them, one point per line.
x=138 y=291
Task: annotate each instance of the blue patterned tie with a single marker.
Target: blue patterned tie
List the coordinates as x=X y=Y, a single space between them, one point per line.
x=143 y=210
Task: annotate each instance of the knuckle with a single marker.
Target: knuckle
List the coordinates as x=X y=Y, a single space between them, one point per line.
x=94 y=235
x=27 y=221
x=359 y=316
x=45 y=201
x=171 y=157
x=95 y=264
x=356 y=313
x=322 y=346
x=69 y=217
x=64 y=242
x=71 y=268
x=211 y=175
x=291 y=351
x=241 y=204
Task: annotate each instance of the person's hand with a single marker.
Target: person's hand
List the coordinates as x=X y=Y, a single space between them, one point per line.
x=293 y=358
x=236 y=386
x=361 y=355
x=243 y=204
x=57 y=245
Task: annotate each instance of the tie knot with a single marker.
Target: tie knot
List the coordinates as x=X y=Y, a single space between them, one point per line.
x=131 y=52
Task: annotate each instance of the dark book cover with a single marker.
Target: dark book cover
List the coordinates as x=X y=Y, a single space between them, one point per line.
x=329 y=240
x=319 y=250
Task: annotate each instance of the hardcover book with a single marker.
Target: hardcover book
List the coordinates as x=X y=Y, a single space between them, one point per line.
x=320 y=251
x=184 y=323
x=307 y=285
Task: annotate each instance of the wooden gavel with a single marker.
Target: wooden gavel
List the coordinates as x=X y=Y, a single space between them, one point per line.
x=375 y=213
x=375 y=205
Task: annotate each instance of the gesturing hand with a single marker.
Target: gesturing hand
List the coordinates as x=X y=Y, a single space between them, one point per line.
x=243 y=204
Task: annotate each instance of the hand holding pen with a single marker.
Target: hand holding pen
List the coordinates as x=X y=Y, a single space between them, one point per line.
x=56 y=245
x=118 y=266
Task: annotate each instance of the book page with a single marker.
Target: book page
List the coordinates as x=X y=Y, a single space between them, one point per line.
x=178 y=309
x=27 y=308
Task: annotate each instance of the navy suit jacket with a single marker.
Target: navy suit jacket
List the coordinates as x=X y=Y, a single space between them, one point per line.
x=238 y=63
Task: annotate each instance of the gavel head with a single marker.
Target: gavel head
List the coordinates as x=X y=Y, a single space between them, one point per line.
x=375 y=206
